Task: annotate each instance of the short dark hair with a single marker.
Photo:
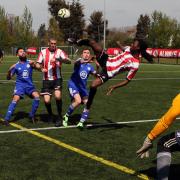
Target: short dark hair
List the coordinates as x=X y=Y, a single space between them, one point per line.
x=86 y=49
x=52 y=39
x=17 y=50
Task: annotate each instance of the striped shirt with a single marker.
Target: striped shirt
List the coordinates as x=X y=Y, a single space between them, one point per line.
x=53 y=69
x=122 y=62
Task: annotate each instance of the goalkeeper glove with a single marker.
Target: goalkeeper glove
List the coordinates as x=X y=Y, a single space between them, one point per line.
x=144 y=150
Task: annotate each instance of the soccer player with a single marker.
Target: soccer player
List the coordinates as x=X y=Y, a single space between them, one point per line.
x=24 y=84
x=50 y=61
x=166 y=144
x=110 y=68
x=78 y=82
x=1 y=55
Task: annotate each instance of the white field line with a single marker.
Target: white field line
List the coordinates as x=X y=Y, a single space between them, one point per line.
x=156 y=64
x=70 y=72
x=74 y=126
x=142 y=64
x=136 y=79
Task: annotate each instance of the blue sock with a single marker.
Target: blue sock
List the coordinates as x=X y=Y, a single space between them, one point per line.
x=10 y=110
x=70 y=110
x=35 y=105
x=84 y=115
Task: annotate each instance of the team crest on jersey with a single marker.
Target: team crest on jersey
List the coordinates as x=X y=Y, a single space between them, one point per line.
x=83 y=75
x=28 y=66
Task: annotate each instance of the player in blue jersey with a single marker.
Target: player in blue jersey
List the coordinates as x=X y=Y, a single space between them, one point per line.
x=24 y=85
x=78 y=82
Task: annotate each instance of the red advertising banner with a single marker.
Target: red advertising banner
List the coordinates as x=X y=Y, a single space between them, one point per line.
x=165 y=53
x=155 y=52
x=31 y=50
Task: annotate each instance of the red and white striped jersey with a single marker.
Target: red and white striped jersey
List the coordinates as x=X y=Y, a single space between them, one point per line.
x=53 y=69
x=122 y=62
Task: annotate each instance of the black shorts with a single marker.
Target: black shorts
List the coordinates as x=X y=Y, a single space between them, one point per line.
x=103 y=76
x=49 y=86
x=102 y=59
x=168 y=143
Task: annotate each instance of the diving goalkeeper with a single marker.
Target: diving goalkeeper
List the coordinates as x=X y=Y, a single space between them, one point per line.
x=167 y=144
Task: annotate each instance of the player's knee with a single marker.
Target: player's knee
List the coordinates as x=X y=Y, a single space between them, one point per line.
x=77 y=101
x=47 y=101
x=36 y=96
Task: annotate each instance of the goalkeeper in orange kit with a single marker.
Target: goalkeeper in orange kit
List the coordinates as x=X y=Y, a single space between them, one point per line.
x=167 y=144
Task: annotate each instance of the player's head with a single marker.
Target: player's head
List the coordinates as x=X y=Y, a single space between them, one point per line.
x=140 y=43
x=52 y=44
x=86 y=54
x=20 y=52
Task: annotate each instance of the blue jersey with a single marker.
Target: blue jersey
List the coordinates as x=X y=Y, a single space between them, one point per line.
x=23 y=71
x=81 y=74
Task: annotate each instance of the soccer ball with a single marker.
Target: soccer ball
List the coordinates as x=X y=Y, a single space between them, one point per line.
x=64 y=13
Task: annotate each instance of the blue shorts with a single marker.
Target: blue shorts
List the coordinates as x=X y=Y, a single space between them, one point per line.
x=74 y=89
x=24 y=90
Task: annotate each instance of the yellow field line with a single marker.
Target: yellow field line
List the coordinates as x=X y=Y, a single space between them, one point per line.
x=83 y=153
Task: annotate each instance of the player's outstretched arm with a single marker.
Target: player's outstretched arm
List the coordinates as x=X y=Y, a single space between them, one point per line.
x=39 y=67
x=10 y=72
x=32 y=63
x=112 y=88
x=120 y=45
x=67 y=61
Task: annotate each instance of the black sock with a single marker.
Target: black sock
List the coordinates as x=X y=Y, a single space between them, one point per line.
x=92 y=93
x=59 y=107
x=49 y=108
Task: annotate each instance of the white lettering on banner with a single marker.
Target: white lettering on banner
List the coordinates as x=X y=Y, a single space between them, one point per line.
x=166 y=53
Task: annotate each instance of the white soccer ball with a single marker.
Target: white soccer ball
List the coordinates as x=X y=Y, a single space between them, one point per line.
x=64 y=13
